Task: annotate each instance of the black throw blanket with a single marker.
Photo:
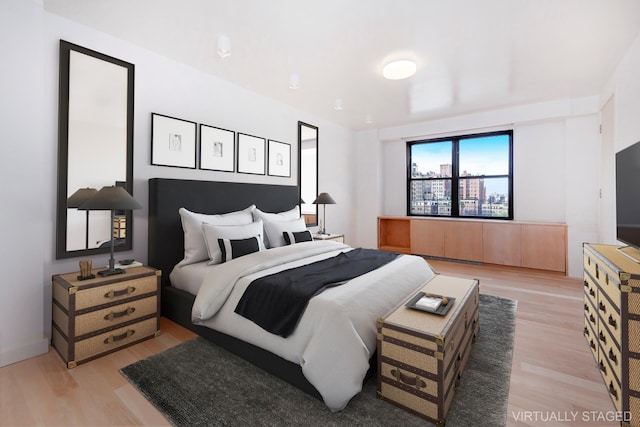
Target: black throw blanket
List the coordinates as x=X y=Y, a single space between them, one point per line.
x=276 y=302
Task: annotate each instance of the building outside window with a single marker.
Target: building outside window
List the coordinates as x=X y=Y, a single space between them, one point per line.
x=467 y=176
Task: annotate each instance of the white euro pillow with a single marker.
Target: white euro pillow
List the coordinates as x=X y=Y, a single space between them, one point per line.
x=195 y=248
x=275 y=230
x=233 y=232
x=267 y=217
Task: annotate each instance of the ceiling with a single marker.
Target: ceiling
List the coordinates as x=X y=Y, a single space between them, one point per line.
x=472 y=55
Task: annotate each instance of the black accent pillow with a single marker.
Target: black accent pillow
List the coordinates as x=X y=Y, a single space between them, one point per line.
x=232 y=249
x=291 y=237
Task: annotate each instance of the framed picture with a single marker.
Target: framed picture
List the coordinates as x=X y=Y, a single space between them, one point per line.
x=217 y=149
x=251 y=154
x=279 y=159
x=173 y=142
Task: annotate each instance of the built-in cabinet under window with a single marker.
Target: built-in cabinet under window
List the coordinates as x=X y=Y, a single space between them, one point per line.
x=520 y=244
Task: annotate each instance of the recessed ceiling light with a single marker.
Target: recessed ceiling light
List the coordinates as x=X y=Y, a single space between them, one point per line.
x=224 y=46
x=368 y=119
x=294 y=81
x=400 y=69
x=339 y=105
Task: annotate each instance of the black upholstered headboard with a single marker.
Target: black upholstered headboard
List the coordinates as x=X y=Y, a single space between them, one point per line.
x=166 y=196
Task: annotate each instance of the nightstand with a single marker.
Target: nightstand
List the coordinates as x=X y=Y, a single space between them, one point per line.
x=335 y=237
x=98 y=316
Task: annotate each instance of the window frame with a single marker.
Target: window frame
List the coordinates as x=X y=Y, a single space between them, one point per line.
x=456 y=178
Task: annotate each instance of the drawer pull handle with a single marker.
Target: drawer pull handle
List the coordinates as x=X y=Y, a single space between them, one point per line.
x=606 y=279
x=597 y=272
x=586 y=284
x=613 y=391
x=612 y=356
x=603 y=368
x=113 y=338
x=586 y=331
x=613 y=322
x=586 y=307
x=602 y=337
x=116 y=315
x=602 y=307
x=593 y=319
x=413 y=381
x=592 y=292
x=593 y=345
x=112 y=294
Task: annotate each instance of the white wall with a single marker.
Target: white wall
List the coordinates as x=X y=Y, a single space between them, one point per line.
x=551 y=142
x=24 y=178
x=29 y=161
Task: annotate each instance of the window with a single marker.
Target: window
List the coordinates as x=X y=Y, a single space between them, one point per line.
x=467 y=176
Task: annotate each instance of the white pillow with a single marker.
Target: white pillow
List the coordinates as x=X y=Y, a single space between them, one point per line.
x=267 y=217
x=275 y=230
x=195 y=248
x=214 y=232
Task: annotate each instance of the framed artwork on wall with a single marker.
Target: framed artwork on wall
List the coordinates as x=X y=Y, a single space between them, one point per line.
x=279 y=163
x=251 y=150
x=217 y=149
x=173 y=142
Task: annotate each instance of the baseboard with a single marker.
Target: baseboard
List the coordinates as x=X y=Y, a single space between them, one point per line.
x=26 y=351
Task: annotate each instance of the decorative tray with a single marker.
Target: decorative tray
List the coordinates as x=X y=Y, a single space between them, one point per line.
x=440 y=310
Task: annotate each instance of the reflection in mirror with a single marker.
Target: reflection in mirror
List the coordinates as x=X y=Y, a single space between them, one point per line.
x=308 y=171
x=95 y=147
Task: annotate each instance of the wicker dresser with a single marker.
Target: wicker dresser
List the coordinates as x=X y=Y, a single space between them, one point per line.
x=98 y=316
x=612 y=324
x=421 y=356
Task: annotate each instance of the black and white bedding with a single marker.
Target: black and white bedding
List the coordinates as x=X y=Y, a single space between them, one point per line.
x=335 y=337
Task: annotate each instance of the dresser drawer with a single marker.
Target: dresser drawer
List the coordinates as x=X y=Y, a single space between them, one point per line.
x=109 y=317
x=609 y=315
x=606 y=278
x=590 y=290
x=610 y=381
x=591 y=337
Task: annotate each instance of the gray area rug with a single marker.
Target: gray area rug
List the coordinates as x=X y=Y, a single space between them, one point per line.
x=200 y=384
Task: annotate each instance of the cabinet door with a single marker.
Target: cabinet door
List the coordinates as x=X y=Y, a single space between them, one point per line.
x=501 y=243
x=463 y=240
x=544 y=247
x=427 y=237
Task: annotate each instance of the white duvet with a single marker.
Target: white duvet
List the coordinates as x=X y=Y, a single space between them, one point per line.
x=336 y=336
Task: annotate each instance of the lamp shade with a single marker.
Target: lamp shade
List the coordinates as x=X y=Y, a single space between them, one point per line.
x=78 y=198
x=110 y=198
x=324 y=199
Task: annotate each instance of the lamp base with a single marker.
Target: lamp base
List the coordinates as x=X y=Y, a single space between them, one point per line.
x=106 y=273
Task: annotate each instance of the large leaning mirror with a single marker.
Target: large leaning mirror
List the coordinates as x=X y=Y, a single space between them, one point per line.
x=95 y=148
x=308 y=171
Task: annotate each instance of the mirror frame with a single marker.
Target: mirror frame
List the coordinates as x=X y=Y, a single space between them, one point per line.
x=63 y=149
x=300 y=125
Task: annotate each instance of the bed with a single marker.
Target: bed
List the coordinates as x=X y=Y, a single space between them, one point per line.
x=166 y=250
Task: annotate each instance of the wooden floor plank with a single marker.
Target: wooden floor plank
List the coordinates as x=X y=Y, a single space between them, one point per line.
x=554 y=378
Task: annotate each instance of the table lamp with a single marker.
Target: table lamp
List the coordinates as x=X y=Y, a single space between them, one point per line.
x=111 y=199
x=324 y=199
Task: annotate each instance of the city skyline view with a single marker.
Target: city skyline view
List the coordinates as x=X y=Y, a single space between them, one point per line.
x=486 y=157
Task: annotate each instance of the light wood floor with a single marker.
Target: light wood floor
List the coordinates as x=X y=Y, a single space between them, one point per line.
x=554 y=378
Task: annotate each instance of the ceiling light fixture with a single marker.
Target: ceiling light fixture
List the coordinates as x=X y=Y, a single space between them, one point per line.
x=338 y=105
x=294 y=81
x=401 y=69
x=224 y=46
x=368 y=119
